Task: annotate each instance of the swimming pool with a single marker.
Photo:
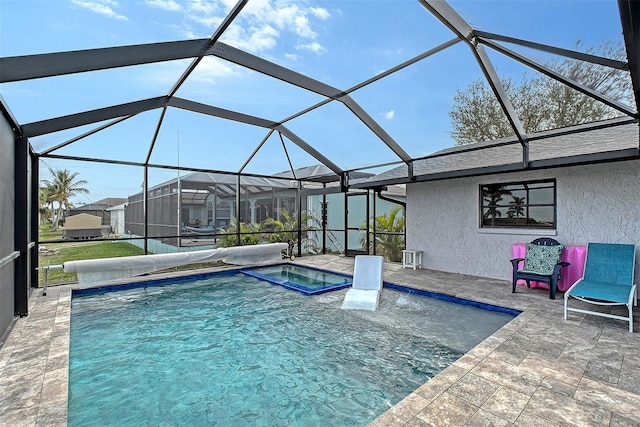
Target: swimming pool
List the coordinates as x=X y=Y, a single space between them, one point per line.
x=233 y=350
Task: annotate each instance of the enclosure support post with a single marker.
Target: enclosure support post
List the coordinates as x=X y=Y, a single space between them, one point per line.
x=299 y=194
x=368 y=224
x=35 y=220
x=21 y=229
x=323 y=220
x=237 y=213
x=145 y=207
x=374 y=226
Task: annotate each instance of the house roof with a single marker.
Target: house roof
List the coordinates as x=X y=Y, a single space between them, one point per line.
x=197 y=185
x=112 y=201
x=609 y=140
x=101 y=204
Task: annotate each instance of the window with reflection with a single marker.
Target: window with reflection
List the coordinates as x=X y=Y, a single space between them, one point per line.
x=518 y=205
x=223 y=214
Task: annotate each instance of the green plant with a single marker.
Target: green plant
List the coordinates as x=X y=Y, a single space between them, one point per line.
x=62 y=187
x=270 y=230
x=249 y=234
x=389 y=234
x=286 y=228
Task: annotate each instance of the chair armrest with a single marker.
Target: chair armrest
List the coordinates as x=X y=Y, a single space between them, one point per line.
x=515 y=262
x=558 y=266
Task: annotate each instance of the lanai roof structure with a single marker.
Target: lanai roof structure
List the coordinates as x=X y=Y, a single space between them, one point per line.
x=347 y=95
x=151 y=126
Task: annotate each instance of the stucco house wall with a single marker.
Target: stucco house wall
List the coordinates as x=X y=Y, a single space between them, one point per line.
x=595 y=203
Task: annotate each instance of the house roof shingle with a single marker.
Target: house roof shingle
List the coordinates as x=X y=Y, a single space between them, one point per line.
x=615 y=139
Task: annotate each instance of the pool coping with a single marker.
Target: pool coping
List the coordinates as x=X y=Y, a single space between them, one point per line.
x=536 y=370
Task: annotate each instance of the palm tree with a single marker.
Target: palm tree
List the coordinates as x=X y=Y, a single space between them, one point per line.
x=286 y=229
x=389 y=232
x=45 y=200
x=61 y=188
x=516 y=207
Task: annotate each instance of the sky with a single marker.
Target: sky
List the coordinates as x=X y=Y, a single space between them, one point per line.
x=340 y=43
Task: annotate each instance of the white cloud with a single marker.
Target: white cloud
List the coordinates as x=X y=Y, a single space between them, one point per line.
x=389 y=115
x=207 y=21
x=164 y=75
x=313 y=47
x=320 y=12
x=264 y=38
x=168 y=5
x=210 y=70
x=253 y=39
x=101 y=7
x=292 y=57
x=261 y=26
x=303 y=28
x=204 y=8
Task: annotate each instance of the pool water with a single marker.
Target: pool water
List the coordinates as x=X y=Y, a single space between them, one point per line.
x=231 y=350
x=307 y=280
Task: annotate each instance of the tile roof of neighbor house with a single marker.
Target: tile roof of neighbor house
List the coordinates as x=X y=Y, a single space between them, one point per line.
x=101 y=204
x=615 y=139
x=112 y=201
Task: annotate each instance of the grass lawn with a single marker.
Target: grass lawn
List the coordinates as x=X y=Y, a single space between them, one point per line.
x=46 y=233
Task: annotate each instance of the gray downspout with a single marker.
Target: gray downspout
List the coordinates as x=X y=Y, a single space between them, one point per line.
x=398 y=202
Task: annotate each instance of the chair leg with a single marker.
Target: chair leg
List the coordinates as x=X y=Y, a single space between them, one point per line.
x=553 y=287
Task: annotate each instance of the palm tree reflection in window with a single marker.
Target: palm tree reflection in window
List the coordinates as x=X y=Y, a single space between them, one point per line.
x=492 y=195
x=516 y=207
x=530 y=204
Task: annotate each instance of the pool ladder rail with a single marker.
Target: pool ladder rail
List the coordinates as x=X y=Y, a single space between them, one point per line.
x=46 y=269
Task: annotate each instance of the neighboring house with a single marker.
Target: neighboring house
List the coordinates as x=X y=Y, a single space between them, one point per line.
x=208 y=202
x=83 y=226
x=99 y=208
x=466 y=209
x=116 y=214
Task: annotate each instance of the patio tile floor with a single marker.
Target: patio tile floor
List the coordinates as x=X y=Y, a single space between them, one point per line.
x=538 y=370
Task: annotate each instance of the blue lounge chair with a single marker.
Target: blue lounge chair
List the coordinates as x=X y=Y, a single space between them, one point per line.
x=607 y=280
